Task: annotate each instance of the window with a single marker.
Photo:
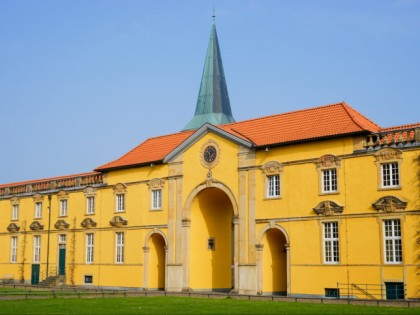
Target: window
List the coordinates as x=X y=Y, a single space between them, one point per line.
x=394 y=290
x=120 y=203
x=331 y=248
x=119 y=247
x=88 y=279
x=332 y=292
x=13 y=249
x=38 y=210
x=63 y=207
x=37 y=249
x=90 y=205
x=15 y=212
x=329 y=180
x=89 y=248
x=392 y=244
x=157 y=199
x=273 y=186
x=390 y=175
x=62 y=238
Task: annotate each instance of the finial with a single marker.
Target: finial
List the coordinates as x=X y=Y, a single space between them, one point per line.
x=214 y=15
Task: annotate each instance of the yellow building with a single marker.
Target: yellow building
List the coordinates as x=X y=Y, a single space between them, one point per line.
x=315 y=202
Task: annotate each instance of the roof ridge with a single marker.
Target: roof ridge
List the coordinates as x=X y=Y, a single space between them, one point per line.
x=397 y=127
x=347 y=108
x=283 y=114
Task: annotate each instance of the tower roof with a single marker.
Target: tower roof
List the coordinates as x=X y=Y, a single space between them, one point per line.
x=213 y=105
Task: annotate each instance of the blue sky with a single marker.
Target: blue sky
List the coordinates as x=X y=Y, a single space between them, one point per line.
x=83 y=82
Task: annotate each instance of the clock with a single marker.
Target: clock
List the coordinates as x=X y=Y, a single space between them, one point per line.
x=210 y=154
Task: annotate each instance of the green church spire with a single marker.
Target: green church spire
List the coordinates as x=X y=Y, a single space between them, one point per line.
x=213 y=105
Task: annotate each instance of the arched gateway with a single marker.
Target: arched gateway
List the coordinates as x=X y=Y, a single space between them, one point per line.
x=208 y=238
x=273 y=260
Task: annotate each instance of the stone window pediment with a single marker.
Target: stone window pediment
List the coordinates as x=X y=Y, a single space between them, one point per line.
x=36 y=226
x=61 y=225
x=328 y=161
x=328 y=207
x=389 y=204
x=89 y=191
x=156 y=183
x=272 y=168
x=388 y=154
x=88 y=223
x=120 y=188
x=62 y=195
x=38 y=197
x=14 y=200
x=118 y=221
x=13 y=227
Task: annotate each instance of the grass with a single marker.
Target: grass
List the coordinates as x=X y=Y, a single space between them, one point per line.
x=184 y=305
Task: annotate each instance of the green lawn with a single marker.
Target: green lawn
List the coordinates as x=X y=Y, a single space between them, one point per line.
x=184 y=305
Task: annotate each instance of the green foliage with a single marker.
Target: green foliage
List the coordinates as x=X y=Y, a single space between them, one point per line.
x=184 y=305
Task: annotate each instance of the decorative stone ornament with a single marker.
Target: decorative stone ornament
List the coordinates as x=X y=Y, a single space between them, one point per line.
x=88 y=223
x=120 y=189
x=271 y=168
x=327 y=161
x=36 y=226
x=13 y=227
x=328 y=207
x=62 y=195
x=389 y=204
x=387 y=154
x=118 y=221
x=61 y=225
x=210 y=154
x=38 y=197
x=89 y=191
x=156 y=183
x=14 y=200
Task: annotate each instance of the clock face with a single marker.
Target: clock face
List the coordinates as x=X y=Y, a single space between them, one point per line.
x=210 y=154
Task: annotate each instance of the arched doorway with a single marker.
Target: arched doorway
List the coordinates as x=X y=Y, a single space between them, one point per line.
x=155 y=261
x=211 y=241
x=273 y=261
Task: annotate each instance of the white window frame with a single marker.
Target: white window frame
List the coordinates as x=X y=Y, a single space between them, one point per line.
x=119 y=247
x=64 y=205
x=90 y=204
x=120 y=202
x=38 y=210
x=62 y=238
x=392 y=241
x=390 y=175
x=15 y=212
x=331 y=242
x=90 y=239
x=13 y=249
x=37 y=249
x=273 y=186
x=329 y=180
x=156 y=199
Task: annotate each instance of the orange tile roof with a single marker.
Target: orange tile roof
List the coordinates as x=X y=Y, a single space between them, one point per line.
x=317 y=122
x=312 y=123
x=151 y=150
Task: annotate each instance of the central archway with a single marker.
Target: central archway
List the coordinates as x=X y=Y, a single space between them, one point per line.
x=211 y=247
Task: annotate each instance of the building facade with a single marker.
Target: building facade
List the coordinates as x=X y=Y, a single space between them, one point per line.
x=315 y=202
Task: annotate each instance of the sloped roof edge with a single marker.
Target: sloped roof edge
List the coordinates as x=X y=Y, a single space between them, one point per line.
x=199 y=133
